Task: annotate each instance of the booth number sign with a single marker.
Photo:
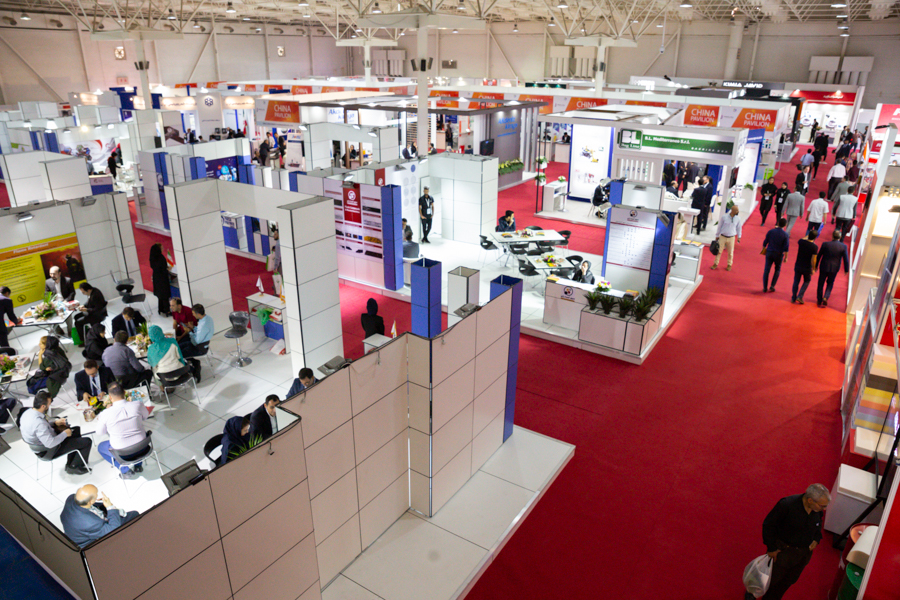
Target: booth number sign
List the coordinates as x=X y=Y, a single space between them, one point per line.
x=632 y=139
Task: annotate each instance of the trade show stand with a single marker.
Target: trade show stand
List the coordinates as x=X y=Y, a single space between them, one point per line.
x=273 y=307
x=465 y=190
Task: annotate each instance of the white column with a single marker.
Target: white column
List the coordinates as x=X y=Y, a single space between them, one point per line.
x=422 y=90
x=734 y=47
x=367 y=62
x=145 y=78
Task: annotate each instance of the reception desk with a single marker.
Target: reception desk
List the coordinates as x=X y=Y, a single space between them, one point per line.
x=564 y=300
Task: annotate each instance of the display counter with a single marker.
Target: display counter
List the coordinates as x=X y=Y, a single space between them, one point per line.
x=273 y=328
x=561 y=152
x=687 y=260
x=564 y=300
x=554 y=196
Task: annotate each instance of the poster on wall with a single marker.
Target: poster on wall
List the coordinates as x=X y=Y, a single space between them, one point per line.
x=97 y=151
x=293 y=157
x=25 y=268
x=357 y=219
x=222 y=168
x=590 y=160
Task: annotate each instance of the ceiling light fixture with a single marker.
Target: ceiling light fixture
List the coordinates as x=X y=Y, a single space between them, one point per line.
x=171 y=16
x=230 y=8
x=373 y=133
x=845 y=34
x=25 y=17
x=456 y=31
x=246 y=18
x=303 y=3
x=839 y=5
x=111 y=126
x=515 y=27
x=686 y=5
x=461 y=5
x=551 y=23
x=562 y=4
x=196 y=25
x=376 y=10
x=843 y=26
x=659 y=24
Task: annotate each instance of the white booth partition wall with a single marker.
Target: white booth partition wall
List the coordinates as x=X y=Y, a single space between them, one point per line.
x=65 y=177
x=465 y=190
x=319 y=153
x=86 y=238
x=38 y=176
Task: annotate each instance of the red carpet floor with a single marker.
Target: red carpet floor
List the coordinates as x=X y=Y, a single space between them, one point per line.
x=677 y=461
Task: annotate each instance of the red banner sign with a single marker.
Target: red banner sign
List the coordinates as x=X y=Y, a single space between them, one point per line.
x=544 y=110
x=579 y=103
x=888 y=113
x=488 y=95
x=816 y=97
x=352 y=205
x=699 y=114
x=379 y=177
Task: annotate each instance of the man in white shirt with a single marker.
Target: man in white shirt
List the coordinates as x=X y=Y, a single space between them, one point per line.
x=124 y=422
x=728 y=230
x=837 y=172
x=845 y=212
x=794 y=206
x=816 y=212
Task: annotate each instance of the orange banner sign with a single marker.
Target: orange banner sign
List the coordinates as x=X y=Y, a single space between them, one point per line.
x=754 y=118
x=579 y=103
x=488 y=95
x=301 y=89
x=698 y=114
x=544 y=110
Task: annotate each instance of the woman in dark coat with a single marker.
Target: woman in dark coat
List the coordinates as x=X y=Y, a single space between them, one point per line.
x=57 y=365
x=371 y=322
x=235 y=436
x=160 y=278
x=95 y=343
x=583 y=274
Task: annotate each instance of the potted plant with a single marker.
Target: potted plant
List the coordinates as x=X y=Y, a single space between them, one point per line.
x=243 y=449
x=541 y=160
x=642 y=307
x=45 y=309
x=625 y=305
x=607 y=303
x=6 y=364
x=654 y=292
x=540 y=178
x=561 y=179
x=603 y=285
x=594 y=298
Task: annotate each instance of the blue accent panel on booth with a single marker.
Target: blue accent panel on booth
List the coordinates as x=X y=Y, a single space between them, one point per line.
x=292 y=179
x=515 y=285
x=392 y=236
x=425 y=281
x=657 y=280
x=159 y=160
x=175 y=291
x=264 y=242
x=231 y=237
x=605 y=246
x=660 y=259
x=101 y=189
x=715 y=172
x=274 y=330
x=35 y=140
x=509 y=415
x=663 y=231
x=615 y=192
x=251 y=240
x=50 y=143
x=426 y=321
x=514 y=334
x=198 y=167
x=155 y=100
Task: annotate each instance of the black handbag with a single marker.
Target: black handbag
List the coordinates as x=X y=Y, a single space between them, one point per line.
x=714 y=247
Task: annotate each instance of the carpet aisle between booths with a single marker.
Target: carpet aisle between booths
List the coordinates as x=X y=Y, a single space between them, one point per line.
x=678 y=460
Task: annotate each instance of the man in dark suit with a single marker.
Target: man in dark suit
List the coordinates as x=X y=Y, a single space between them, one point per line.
x=802 y=180
x=93 y=311
x=92 y=380
x=693 y=169
x=60 y=284
x=700 y=196
x=262 y=420
x=129 y=321
x=88 y=515
x=830 y=257
x=6 y=312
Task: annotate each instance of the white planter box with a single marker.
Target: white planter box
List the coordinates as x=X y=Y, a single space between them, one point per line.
x=639 y=333
x=603 y=330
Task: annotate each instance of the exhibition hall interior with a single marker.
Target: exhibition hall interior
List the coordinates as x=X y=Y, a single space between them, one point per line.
x=445 y=299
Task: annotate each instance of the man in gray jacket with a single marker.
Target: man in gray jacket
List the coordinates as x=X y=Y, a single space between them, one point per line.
x=839 y=190
x=794 y=207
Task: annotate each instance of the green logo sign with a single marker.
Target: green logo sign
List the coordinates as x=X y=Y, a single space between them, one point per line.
x=630 y=139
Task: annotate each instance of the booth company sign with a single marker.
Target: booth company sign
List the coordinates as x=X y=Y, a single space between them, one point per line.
x=632 y=139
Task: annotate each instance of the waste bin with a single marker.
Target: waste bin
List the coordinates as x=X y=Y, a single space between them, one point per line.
x=852 y=580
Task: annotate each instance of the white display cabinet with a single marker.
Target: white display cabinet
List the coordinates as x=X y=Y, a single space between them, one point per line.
x=463 y=284
x=687 y=261
x=468 y=195
x=638 y=334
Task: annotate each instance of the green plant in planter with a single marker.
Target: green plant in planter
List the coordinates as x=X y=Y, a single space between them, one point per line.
x=748 y=186
x=254 y=441
x=653 y=292
x=642 y=307
x=594 y=298
x=625 y=306
x=607 y=303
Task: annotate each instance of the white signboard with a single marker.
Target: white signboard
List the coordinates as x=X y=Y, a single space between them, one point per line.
x=589 y=164
x=631 y=234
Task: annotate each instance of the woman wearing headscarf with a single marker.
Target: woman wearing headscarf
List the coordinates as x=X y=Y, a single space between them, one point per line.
x=163 y=354
x=56 y=364
x=96 y=342
x=583 y=274
x=371 y=322
x=161 y=289
x=235 y=436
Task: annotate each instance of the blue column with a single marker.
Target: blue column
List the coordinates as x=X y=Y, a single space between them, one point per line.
x=292 y=179
x=392 y=236
x=426 y=297
x=498 y=286
x=198 y=167
x=662 y=253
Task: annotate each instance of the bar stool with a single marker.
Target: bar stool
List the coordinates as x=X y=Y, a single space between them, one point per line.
x=239 y=321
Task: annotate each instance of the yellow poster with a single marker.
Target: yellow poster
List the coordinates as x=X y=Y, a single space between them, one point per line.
x=25 y=269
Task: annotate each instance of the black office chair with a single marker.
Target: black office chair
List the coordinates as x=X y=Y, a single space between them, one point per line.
x=212 y=444
x=178 y=378
x=534 y=228
x=8 y=351
x=575 y=260
x=564 y=272
x=526 y=269
x=239 y=322
x=487 y=245
x=125 y=290
x=138 y=452
x=566 y=234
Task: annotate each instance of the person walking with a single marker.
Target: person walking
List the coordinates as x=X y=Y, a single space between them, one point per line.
x=802 y=180
x=791 y=531
x=812 y=130
x=845 y=212
x=804 y=265
x=728 y=230
x=775 y=247
x=767 y=198
x=815 y=214
x=794 y=207
x=839 y=190
x=835 y=175
x=807 y=159
x=780 y=199
x=161 y=287
x=426 y=214
x=818 y=154
x=830 y=257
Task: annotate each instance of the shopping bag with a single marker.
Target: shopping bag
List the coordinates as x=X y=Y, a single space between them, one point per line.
x=757 y=575
x=76 y=339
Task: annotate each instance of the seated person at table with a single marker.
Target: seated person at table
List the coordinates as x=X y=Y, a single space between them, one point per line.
x=60 y=284
x=93 y=381
x=407 y=230
x=129 y=321
x=262 y=420
x=122 y=361
x=95 y=343
x=507 y=222
x=235 y=435
x=165 y=356
x=583 y=273
x=123 y=421
x=84 y=519
x=410 y=248
x=93 y=311
x=198 y=334
x=181 y=315
x=305 y=378
x=371 y=322
x=55 y=362
x=57 y=439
